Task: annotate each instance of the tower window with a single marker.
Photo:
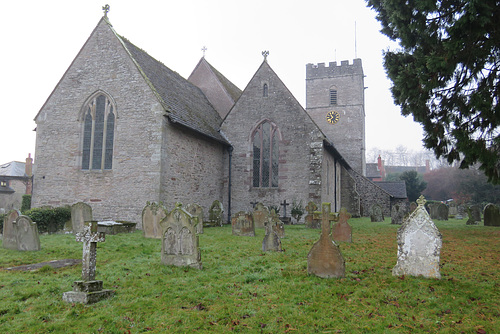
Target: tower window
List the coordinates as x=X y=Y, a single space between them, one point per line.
x=265 y=156
x=333 y=96
x=98 y=134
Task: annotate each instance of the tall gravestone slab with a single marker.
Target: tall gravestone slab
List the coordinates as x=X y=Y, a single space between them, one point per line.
x=152 y=215
x=27 y=237
x=453 y=208
x=398 y=212
x=325 y=259
x=376 y=213
x=9 y=233
x=442 y=212
x=491 y=215
x=419 y=245
x=271 y=242
x=311 y=221
x=180 y=243
x=215 y=214
x=277 y=224
x=80 y=213
x=196 y=210
x=88 y=290
x=341 y=230
x=242 y=224
x=413 y=206
x=260 y=215
x=474 y=213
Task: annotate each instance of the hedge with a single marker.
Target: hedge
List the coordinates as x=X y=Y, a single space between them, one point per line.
x=50 y=220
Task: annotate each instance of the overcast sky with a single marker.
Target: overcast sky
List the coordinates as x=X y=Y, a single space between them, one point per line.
x=40 y=39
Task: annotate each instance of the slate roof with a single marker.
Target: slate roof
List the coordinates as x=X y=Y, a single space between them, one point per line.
x=184 y=102
x=13 y=169
x=230 y=88
x=395 y=189
x=372 y=170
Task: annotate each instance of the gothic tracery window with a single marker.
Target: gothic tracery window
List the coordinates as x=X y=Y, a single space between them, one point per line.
x=98 y=134
x=265 y=156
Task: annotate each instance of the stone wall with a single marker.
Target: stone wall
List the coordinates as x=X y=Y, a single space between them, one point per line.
x=369 y=194
x=9 y=201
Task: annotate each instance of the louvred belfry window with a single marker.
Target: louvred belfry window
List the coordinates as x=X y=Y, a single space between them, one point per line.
x=265 y=156
x=98 y=134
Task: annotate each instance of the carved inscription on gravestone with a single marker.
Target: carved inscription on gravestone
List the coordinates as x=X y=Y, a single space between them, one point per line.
x=152 y=215
x=27 y=237
x=260 y=215
x=243 y=225
x=196 y=210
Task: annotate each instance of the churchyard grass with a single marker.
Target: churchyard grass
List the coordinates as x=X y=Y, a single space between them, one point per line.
x=241 y=289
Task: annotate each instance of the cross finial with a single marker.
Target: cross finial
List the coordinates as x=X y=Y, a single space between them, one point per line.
x=265 y=54
x=421 y=200
x=204 y=48
x=105 y=9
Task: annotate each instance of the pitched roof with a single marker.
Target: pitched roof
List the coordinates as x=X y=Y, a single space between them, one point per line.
x=395 y=189
x=231 y=88
x=184 y=102
x=13 y=169
x=372 y=170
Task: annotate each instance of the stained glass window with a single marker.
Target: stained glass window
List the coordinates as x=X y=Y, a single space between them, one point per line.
x=265 y=156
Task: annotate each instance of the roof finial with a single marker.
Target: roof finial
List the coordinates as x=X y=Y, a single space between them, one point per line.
x=265 y=54
x=204 y=48
x=105 y=9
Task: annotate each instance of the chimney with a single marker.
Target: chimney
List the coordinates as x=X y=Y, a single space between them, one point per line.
x=28 y=170
x=380 y=166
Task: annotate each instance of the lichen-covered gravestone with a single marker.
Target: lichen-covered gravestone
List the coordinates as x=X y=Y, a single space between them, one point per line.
x=271 y=242
x=341 y=230
x=325 y=259
x=277 y=224
x=311 y=222
x=215 y=214
x=152 y=215
x=419 y=245
x=413 y=206
x=398 y=212
x=474 y=213
x=260 y=215
x=242 y=224
x=27 y=237
x=88 y=290
x=491 y=215
x=9 y=233
x=196 y=210
x=442 y=211
x=180 y=243
x=80 y=213
x=376 y=213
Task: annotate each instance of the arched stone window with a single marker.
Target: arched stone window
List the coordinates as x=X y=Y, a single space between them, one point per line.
x=265 y=143
x=265 y=90
x=98 y=133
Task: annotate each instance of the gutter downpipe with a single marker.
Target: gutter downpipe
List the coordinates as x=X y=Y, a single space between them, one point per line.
x=230 y=151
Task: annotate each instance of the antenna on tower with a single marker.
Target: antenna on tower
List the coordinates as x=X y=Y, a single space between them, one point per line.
x=355 y=42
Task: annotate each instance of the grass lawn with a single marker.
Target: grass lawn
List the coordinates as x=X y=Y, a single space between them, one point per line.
x=242 y=289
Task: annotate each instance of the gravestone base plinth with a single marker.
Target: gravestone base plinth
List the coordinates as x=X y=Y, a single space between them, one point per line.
x=286 y=220
x=87 y=292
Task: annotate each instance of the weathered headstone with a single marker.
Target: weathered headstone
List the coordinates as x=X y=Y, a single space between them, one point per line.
x=491 y=215
x=152 y=215
x=341 y=230
x=376 y=213
x=180 y=243
x=474 y=213
x=215 y=214
x=271 y=242
x=111 y=227
x=9 y=233
x=88 y=290
x=311 y=222
x=433 y=210
x=442 y=212
x=27 y=237
x=413 y=206
x=80 y=213
x=398 y=212
x=453 y=208
x=325 y=259
x=277 y=224
x=243 y=225
x=260 y=215
x=196 y=210
x=460 y=211
x=419 y=245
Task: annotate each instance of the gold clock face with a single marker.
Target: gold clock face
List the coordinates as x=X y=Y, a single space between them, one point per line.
x=332 y=117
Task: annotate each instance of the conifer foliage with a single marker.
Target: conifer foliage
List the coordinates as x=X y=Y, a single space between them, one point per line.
x=446 y=74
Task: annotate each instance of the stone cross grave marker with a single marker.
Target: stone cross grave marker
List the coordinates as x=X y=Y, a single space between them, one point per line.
x=152 y=215
x=27 y=236
x=342 y=231
x=260 y=215
x=309 y=219
x=243 y=225
x=271 y=242
x=196 y=210
x=325 y=259
x=419 y=245
x=491 y=215
x=285 y=219
x=9 y=233
x=80 y=213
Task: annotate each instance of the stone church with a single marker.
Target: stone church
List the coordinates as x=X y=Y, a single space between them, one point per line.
x=121 y=129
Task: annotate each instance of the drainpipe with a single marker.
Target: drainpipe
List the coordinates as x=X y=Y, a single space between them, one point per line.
x=335 y=184
x=230 y=151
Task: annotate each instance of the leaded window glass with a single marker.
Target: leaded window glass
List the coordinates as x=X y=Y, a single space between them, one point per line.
x=265 y=156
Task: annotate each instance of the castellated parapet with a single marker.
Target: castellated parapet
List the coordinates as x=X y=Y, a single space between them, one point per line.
x=319 y=70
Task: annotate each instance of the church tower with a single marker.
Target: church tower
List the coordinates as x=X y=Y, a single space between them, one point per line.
x=335 y=100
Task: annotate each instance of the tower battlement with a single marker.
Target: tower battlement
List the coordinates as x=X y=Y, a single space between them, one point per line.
x=332 y=70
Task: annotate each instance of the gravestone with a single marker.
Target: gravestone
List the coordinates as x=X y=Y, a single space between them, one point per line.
x=474 y=213
x=398 y=212
x=419 y=245
x=442 y=212
x=80 y=213
x=413 y=206
x=285 y=219
x=376 y=213
x=242 y=224
x=453 y=208
x=260 y=215
x=27 y=237
x=341 y=230
x=277 y=224
x=491 y=215
x=271 y=242
x=460 y=211
x=9 y=233
x=311 y=221
x=433 y=210
x=196 y=210
x=180 y=243
x=88 y=290
x=111 y=227
x=325 y=259
x=215 y=214
x=152 y=215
